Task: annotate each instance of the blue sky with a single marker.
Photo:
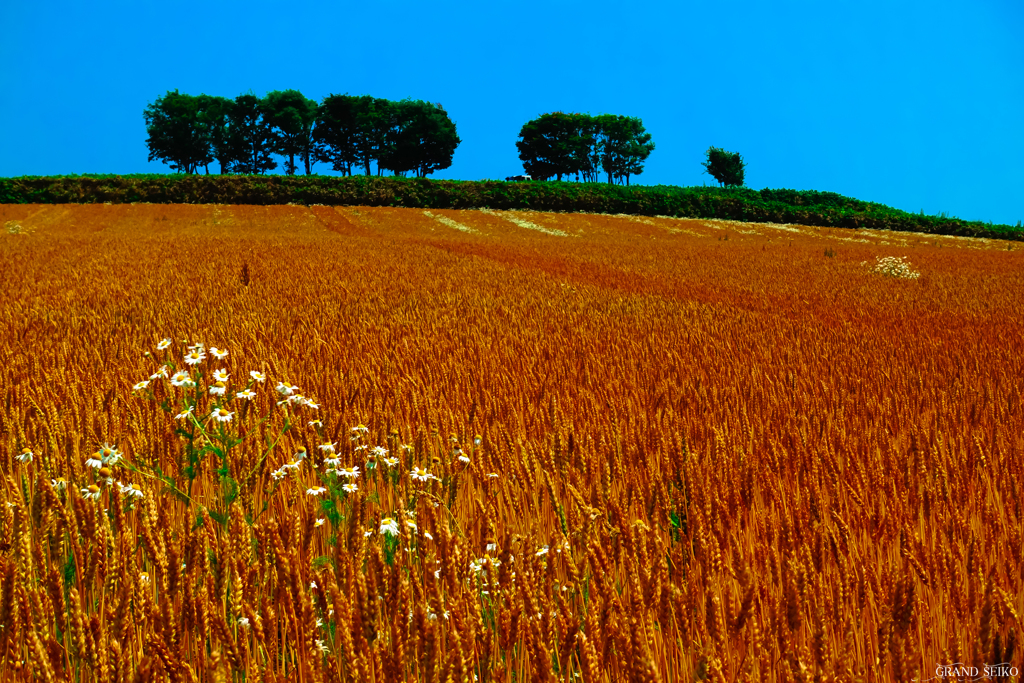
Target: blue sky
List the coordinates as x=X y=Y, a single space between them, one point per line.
x=918 y=105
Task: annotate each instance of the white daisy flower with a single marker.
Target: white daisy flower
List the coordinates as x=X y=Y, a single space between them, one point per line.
x=278 y=474
x=389 y=526
x=320 y=522
x=218 y=353
x=315 y=423
x=144 y=577
x=332 y=461
x=349 y=472
x=184 y=415
x=361 y=428
x=329 y=447
x=218 y=389
x=286 y=389
x=390 y=462
x=164 y=343
x=258 y=376
x=222 y=415
x=132 y=490
x=543 y=551
x=26 y=455
x=300 y=453
x=321 y=647
x=109 y=454
x=181 y=379
x=141 y=385
x=195 y=357
x=248 y=393
x=350 y=488
x=60 y=483
x=493 y=475
x=464 y=458
x=380 y=451
x=316 y=491
x=162 y=372
x=91 y=493
x=220 y=375
x=243 y=622
x=291 y=465
x=421 y=474
x=94 y=461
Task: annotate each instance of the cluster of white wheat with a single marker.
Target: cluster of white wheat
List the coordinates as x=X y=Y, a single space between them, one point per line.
x=523 y=223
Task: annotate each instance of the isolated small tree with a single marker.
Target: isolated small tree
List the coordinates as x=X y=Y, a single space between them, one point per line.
x=725 y=167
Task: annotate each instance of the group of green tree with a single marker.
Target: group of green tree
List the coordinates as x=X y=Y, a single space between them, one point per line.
x=189 y=132
x=584 y=146
x=410 y=136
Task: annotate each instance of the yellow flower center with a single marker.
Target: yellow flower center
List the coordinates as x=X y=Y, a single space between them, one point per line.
x=93 y=488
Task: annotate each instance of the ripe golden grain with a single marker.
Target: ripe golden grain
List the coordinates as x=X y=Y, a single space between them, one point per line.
x=739 y=458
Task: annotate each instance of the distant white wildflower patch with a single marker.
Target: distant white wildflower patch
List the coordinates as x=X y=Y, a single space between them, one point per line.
x=449 y=222
x=894 y=266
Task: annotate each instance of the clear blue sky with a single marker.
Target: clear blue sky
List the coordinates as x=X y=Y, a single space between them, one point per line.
x=918 y=105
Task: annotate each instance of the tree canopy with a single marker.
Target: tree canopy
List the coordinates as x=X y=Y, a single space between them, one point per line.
x=560 y=144
x=411 y=136
x=726 y=167
x=178 y=134
x=292 y=116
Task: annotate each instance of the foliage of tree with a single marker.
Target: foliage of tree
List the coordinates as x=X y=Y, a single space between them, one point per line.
x=411 y=136
x=726 y=167
x=422 y=139
x=213 y=117
x=335 y=133
x=177 y=133
x=559 y=144
x=401 y=137
x=250 y=139
x=292 y=116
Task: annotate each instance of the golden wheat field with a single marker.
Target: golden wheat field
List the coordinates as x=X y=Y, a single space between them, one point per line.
x=381 y=444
